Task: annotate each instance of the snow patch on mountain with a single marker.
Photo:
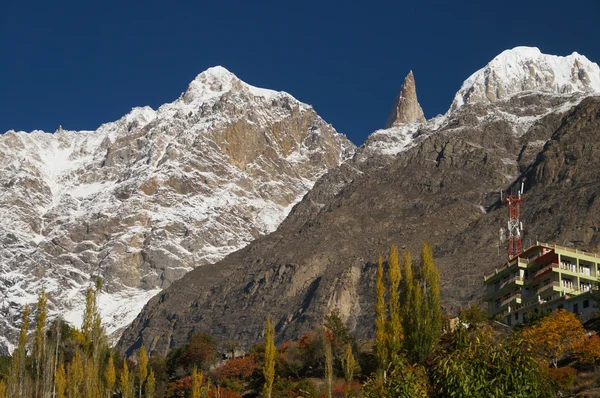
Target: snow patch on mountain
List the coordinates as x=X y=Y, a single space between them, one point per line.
x=143 y=200
x=528 y=69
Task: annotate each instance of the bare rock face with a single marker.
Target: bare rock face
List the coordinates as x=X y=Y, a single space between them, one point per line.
x=406 y=107
x=141 y=201
x=440 y=185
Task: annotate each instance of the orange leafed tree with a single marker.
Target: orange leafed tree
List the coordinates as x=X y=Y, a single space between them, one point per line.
x=589 y=349
x=556 y=336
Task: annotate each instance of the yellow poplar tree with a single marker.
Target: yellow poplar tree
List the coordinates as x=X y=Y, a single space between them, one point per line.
x=142 y=372
x=75 y=376
x=39 y=347
x=60 y=382
x=16 y=382
x=349 y=364
x=125 y=382
x=381 y=351
x=270 y=352
x=197 y=380
x=110 y=376
x=395 y=333
x=150 y=385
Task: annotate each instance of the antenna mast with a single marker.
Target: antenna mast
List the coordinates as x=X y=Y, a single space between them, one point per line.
x=515 y=227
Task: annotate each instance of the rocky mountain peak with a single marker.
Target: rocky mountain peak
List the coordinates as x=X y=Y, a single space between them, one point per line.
x=142 y=200
x=216 y=81
x=528 y=69
x=406 y=107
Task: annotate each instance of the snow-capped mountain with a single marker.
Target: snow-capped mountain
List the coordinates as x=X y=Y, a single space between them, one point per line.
x=527 y=69
x=143 y=200
x=521 y=72
x=437 y=181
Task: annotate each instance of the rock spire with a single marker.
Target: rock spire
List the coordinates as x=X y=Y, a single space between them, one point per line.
x=406 y=107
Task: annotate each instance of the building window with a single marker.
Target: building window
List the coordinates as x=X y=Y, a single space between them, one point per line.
x=560 y=307
x=516 y=316
x=586 y=303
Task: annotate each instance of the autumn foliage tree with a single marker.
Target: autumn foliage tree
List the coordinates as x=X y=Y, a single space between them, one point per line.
x=556 y=336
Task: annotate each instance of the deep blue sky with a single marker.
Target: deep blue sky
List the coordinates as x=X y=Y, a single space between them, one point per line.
x=83 y=63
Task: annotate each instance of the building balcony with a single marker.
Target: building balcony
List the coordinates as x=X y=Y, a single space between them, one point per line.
x=554 y=285
x=548 y=268
x=517 y=280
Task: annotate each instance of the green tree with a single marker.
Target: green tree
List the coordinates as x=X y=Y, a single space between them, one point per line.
x=423 y=312
x=270 y=353
x=483 y=365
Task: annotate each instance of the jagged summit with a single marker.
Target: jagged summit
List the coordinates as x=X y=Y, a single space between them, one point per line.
x=528 y=69
x=406 y=106
x=144 y=199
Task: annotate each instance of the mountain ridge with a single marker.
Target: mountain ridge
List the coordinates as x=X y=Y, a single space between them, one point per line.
x=144 y=199
x=436 y=180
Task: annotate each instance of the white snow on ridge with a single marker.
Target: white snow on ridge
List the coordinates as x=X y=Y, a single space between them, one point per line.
x=145 y=199
x=527 y=68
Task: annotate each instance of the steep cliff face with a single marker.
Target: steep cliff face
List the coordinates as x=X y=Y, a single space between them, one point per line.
x=143 y=200
x=438 y=182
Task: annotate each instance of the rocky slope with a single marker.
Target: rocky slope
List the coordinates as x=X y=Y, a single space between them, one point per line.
x=143 y=200
x=435 y=181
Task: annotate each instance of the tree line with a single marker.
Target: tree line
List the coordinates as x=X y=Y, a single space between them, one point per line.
x=415 y=352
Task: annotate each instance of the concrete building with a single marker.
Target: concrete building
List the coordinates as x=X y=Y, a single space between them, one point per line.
x=548 y=276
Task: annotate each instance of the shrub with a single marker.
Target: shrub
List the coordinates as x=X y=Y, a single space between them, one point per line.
x=563 y=377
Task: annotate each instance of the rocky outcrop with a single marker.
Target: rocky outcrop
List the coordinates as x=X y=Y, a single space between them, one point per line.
x=143 y=200
x=441 y=187
x=406 y=106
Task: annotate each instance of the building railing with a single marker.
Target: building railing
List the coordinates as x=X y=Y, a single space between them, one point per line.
x=544 y=270
x=569 y=249
x=511 y=298
x=548 y=286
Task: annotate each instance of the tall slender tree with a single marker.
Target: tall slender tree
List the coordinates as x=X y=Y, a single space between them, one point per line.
x=328 y=362
x=349 y=365
x=381 y=351
x=125 y=382
x=270 y=352
x=75 y=377
x=142 y=371
x=394 y=333
x=16 y=382
x=39 y=346
x=423 y=308
x=197 y=380
x=110 y=376
x=60 y=382
x=150 y=385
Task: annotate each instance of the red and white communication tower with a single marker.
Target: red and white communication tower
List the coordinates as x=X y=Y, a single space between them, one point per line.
x=515 y=227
